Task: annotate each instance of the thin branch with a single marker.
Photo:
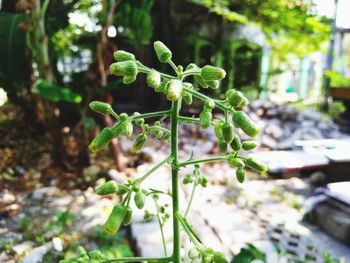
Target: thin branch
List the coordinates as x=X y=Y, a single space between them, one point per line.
x=211 y=159
x=141 y=179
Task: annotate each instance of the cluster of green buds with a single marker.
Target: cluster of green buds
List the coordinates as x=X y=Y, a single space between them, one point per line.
x=94 y=256
x=176 y=89
x=125 y=127
x=122 y=213
x=196 y=178
x=206 y=255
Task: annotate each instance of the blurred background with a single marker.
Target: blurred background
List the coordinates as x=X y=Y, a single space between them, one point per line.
x=291 y=58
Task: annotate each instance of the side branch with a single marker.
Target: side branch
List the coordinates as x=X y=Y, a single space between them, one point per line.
x=211 y=159
x=203 y=97
x=141 y=179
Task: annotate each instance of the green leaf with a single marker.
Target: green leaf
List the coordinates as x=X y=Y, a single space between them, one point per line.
x=248 y=254
x=56 y=93
x=12 y=57
x=12 y=45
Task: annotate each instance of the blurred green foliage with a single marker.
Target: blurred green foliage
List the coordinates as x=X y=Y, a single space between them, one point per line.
x=338 y=80
x=12 y=53
x=63 y=43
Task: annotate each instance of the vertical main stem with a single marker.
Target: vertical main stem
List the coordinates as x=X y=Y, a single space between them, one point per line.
x=175 y=179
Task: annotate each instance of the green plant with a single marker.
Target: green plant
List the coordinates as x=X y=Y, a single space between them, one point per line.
x=337 y=79
x=176 y=90
x=336 y=108
x=248 y=254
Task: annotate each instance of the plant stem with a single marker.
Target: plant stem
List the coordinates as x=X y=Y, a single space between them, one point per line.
x=191 y=72
x=145 y=116
x=185 y=119
x=175 y=179
x=195 y=183
x=211 y=159
x=135 y=259
x=141 y=179
x=144 y=69
x=172 y=64
x=203 y=97
x=151 y=114
x=158 y=128
x=161 y=227
x=188 y=231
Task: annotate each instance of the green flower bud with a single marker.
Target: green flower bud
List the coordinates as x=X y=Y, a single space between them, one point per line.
x=139 y=142
x=115 y=219
x=81 y=251
x=209 y=104
x=127 y=128
x=101 y=141
x=153 y=79
x=205 y=119
x=128 y=216
x=208 y=251
x=244 y=102
x=121 y=55
x=147 y=216
x=193 y=253
x=174 y=89
x=201 y=81
x=96 y=254
x=235 y=161
x=122 y=190
x=158 y=133
x=124 y=68
x=242 y=120
x=213 y=84
x=163 y=53
x=218 y=129
x=229 y=93
x=236 y=143
x=101 y=107
x=236 y=98
x=191 y=66
x=240 y=174
x=162 y=87
x=139 y=121
x=219 y=258
x=107 y=188
x=187 y=179
x=227 y=132
x=222 y=146
x=207 y=259
x=129 y=79
x=203 y=181
x=187 y=98
x=256 y=165
x=123 y=116
x=249 y=145
x=209 y=73
x=139 y=199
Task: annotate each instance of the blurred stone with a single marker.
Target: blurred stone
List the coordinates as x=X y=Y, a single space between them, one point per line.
x=37 y=254
x=274 y=128
x=40 y=193
x=21 y=248
x=119 y=177
x=57 y=244
x=6 y=198
x=91 y=171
